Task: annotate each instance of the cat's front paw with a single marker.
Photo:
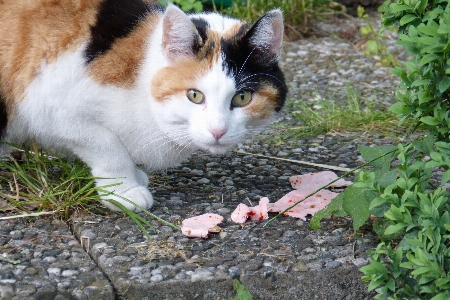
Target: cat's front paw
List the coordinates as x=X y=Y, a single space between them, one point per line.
x=138 y=195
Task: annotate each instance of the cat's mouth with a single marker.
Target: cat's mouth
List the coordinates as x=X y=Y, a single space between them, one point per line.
x=216 y=147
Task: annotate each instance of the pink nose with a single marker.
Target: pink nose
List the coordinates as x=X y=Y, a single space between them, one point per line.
x=218 y=133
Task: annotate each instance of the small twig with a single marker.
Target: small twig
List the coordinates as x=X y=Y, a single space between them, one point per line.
x=299 y=162
x=37 y=214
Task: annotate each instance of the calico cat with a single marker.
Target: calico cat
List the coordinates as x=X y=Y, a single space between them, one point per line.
x=121 y=83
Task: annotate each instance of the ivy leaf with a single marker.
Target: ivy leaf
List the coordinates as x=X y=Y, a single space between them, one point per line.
x=370 y=153
x=356 y=203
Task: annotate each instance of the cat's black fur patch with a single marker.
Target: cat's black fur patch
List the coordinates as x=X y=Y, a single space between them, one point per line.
x=3 y=116
x=203 y=45
x=250 y=67
x=116 y=19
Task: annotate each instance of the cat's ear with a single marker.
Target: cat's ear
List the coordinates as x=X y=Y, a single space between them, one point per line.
x=179 y=34
x=266 y=34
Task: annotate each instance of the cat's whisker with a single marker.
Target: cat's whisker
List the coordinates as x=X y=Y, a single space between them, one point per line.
x=243 y=65
x=264 y=74
x=162 y=136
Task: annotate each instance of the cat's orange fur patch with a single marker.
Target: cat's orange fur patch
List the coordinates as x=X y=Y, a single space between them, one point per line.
x=181 y=76
x=178 y=78
x=120 y=65
x=210 y=50
x=36 y=32
x=263 y=103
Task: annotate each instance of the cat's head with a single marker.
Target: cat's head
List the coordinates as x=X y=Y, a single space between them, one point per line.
x=221 y=80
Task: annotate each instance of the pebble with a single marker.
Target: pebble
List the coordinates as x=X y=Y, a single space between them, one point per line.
x=234 y=272
x=203 y=181
x=359 y=262
x=201 y=275
x=69 y=273
x=156 y=278
x=54 y=271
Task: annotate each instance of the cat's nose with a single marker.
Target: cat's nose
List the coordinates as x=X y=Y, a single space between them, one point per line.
x=218 y=133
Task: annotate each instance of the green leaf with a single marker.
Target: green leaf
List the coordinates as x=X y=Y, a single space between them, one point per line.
x=399 y=8
x=430 y=120
x=370 y=153
x=398 y=108
x=445 y=177
x=407 y=19
x=425 y=145
x=421 y=270
x=394 y=228
x=420 y=6
x=436 y=156
x=430 y=29
x=372 y=46
x=444 y=84
x=428 y=58
x=334 y=207
x=242 y=292
x=356 y=203
x=376 y=202
x=443 y=28
x=441 y=296
x=386 y=178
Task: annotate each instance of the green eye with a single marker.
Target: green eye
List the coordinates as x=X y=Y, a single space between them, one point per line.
x=195 y=96
x=241 y=98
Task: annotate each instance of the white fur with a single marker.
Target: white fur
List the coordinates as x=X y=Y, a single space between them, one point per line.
x=112 y=129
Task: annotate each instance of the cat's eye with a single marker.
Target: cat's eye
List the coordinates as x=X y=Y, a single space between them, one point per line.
x=195 y=96
x=241 y=98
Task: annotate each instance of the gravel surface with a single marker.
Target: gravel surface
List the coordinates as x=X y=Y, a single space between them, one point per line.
x=107 y=257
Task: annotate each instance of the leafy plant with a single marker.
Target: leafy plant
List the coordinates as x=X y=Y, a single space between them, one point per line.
x=405 y=191
x=375 y=44
x=413 y=222
x=424 y=28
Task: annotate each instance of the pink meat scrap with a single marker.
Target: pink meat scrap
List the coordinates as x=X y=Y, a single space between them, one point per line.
x=317 y=180
x=200 y=226
x=255 y=213
x=310 y=205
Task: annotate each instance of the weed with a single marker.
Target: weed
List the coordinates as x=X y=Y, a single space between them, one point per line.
x=296 y=13
x=39 y=183
x=375 y=44
x=356 y=115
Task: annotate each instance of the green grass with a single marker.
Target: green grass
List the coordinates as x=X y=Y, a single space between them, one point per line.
x=355 y=115
x=34 y=183
x=296 y=13
x=38 y=182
